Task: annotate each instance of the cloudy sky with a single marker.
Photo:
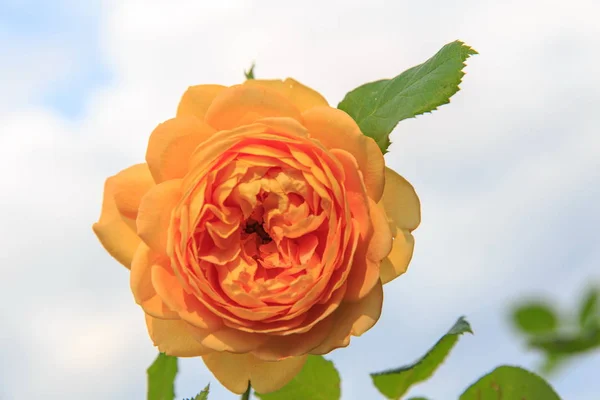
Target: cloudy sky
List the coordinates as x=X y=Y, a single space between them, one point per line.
x=508 y=173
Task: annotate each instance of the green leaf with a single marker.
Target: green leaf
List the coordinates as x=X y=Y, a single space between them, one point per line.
x=590 y=309
x=510 y=383
x=250 y=73
x=568 y=344
x=377 y=107
x=395 y=383
x=318 y=380
x=535 y=318
x=203 y=395
x=161 y=378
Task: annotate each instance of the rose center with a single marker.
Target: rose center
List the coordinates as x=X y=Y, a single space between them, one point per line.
x=254 y=227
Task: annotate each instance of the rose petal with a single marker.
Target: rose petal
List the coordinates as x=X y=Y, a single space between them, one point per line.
x=130 y=185
x=141 y=284
x=196 y=100
x=337 y=130
x=353 y=319
x=380 y=244
x=154 y=215
x=235 y=371
x=244 y=104
x=172 y=143
x=396 y=263
x=115 y=232
x=228 y=339
x=301 y=96
x=364 y=275
x=187 y=306
x=401 y=202
x=172 y=338
x=278 y=347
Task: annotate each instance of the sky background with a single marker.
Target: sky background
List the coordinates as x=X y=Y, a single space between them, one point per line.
x=508 y=173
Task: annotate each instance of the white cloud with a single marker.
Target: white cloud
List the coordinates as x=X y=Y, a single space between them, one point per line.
x=506 y=174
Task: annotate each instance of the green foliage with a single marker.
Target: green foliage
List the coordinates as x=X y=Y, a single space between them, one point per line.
x=318 y=380
x=589 y=312
x=560 y=339
x=395 y=383
x=377 y=107
x=249 y=74
x=535 y=318
x=161 y=378
x=510 y=383
x=203 y=395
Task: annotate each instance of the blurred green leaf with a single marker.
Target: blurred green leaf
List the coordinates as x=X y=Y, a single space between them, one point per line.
x=203 y=395
x=250 y=73
x=318 y=380
x=395 y=383
x=568 y=343
x=377 y=107
x=552 y=363
x=589 y=312
x=535 y=318
x=510 y=383
x=161 y=378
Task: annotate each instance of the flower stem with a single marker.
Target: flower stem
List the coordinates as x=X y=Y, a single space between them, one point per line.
x=246 y=396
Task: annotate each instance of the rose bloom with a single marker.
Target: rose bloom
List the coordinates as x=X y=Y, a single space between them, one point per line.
x=260 y=230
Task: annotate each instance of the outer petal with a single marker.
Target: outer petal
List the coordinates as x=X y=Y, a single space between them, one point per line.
x=115 y=232
x=228 y=339
x=234 y=371
x=380 y=244
x=244 y=104
x=301 y=96
x=196 y=100
x=171 y=337
x=396 y=263
x=141 y=284
x=278 y=347
x=403 y=208
x=130 y=185
x=189 y=308
x=353 y=319
x=172 y=143
x=154 y=214
x=401 y=202
x=336 y=129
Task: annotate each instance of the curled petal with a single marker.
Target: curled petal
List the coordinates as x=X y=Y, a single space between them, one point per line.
x=172 y=143
x=228 y=339
x=141 y=283
x=294 y=345
x=172 y=338
x=244 y=104
x=380 y=244
x=188 y=307
x=154 y=215
x=352 y=319
x=364 y=275
x=196 y=100
x=130 y=185
x=116 y=232
x=396 y=263
x=301 y=96
x=337 y=130
x=401 y=202
x=235 y=371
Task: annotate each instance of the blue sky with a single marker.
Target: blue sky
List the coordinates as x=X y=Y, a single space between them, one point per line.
x=507 y=173
x=68 y=28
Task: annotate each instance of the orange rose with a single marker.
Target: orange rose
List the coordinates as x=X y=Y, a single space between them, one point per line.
x=260 y=230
